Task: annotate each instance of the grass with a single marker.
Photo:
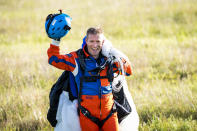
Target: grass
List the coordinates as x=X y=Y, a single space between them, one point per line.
x=159 y=37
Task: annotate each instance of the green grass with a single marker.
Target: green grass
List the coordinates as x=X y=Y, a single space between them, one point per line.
x=158 y=36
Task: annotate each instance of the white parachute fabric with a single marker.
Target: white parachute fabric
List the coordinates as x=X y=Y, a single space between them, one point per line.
x=67 y=116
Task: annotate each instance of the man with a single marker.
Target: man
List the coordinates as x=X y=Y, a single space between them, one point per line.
x=95 y=96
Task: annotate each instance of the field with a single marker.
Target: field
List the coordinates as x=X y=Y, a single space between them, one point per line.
x=158 y=36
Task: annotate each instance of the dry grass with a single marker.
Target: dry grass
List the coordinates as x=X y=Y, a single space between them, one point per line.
x=158 y=36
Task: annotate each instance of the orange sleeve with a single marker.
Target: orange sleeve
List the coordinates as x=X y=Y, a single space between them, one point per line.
x=126 y=65
x=64 y=62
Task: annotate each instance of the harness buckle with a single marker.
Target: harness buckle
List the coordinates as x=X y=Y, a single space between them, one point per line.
x=85 y=113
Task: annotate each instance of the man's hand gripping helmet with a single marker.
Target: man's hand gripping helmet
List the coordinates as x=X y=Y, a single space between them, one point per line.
x=57 y=25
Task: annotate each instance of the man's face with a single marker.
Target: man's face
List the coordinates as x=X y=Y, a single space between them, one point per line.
x=94 y=44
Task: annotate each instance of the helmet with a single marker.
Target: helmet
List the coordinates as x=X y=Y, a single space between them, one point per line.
x=57 y=25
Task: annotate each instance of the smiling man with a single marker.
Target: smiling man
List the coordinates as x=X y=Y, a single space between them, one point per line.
x=93 y=82
x=94 y=42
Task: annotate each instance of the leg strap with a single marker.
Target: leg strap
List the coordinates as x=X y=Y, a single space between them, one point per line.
x=96 y=120
x=86 y=113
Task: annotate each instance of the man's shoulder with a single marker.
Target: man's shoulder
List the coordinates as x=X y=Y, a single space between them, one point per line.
x=75 y=54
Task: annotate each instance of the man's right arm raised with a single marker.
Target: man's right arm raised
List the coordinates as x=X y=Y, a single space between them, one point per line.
x=65 y=62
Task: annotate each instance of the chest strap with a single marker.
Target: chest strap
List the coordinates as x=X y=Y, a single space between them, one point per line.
x=93 y=78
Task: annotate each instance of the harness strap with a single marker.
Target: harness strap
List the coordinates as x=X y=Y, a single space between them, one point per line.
x=96 y=120
x=86 y=113
x=93 y=78
x=113 y=110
